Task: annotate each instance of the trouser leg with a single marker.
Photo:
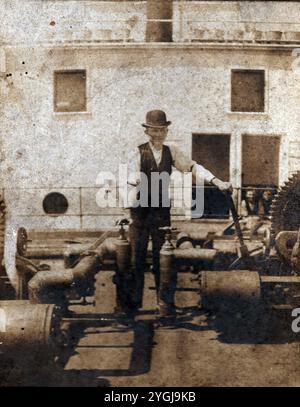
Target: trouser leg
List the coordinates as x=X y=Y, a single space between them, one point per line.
x=158 y=238
x=139 y=237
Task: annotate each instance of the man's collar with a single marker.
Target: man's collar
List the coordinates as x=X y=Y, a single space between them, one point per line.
x=153 y=148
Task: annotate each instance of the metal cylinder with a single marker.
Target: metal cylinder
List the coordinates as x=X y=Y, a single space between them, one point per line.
x=25 y=326
x=226 y=289
x=195 y=254
x=167 y=282
x=123 y=255
x=123 y=277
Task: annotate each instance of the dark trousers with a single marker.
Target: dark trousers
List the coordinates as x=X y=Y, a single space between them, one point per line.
x=145 y=223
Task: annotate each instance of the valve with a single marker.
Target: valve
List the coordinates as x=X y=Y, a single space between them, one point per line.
x=122 y=222
x=168 y=236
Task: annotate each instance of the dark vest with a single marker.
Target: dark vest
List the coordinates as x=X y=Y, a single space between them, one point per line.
x=149 y=166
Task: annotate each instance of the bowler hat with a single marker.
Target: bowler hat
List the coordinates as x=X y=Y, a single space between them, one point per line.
x=156 y=119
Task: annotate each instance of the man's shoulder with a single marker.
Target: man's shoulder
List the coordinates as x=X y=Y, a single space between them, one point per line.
x=143 y=146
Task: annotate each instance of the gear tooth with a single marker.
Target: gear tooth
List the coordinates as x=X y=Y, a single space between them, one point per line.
x=285 y=198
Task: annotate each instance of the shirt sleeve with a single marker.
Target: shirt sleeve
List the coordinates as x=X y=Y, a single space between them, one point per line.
x=185 y=164
x=134 y=167
x=128 y=192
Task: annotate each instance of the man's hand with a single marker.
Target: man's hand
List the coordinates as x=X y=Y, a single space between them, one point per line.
x=223 y=186
x=127 y=215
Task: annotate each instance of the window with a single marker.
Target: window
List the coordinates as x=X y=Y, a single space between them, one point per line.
x=55 y=203
x=247 y=91
x=70 y=91
x=260 y=173
x=213 y=152
x=159 y=21
x=260 y=160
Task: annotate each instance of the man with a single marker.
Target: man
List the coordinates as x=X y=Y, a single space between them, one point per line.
x=249 y=204
x=147 y=220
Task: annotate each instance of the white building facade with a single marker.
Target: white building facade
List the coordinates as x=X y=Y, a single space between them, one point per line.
x=77 y=78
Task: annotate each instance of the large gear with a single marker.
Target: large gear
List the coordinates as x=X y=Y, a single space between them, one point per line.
x=2 y=228
x=285 y=208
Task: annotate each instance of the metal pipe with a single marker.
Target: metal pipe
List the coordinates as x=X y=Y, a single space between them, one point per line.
x=45 y=279
x=26 y=269
x=72 y=256
x=80 y=275
x=195 y=254
x=184 y=241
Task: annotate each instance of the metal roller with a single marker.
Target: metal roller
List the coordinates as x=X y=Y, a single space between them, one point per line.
x=26 y=327
x=223 y=289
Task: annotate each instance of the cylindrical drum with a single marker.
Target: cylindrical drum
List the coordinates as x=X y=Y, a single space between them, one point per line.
x=167 y=283
x=25 y=326
x=229 y=289
x=123 y=278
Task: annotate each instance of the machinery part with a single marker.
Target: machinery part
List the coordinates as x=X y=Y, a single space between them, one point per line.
x=28 y=328
x=123 y=277
x=238 y=230
x=22 y=239
x=184 y=241
x=82 y=276
x=2 y=227
x=285 y=208
x=38 y=286
x=284 y=243
x=244 y=290
x=73 y=256
x=26 y=270
x=3 y=276
x=256 y=258
x=167 y=278
x=195 y=254
x=229 y=289
x=285 y=216
x=185 y=250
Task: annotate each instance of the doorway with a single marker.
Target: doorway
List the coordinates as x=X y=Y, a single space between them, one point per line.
x=213 y=152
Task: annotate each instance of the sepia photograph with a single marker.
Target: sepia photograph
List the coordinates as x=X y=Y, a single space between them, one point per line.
x=149 y=195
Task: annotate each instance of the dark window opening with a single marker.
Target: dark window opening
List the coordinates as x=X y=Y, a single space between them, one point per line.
x=70 y=91
x=159 y=26
x=213 y=152
x=55 y=203
x=247 y=91
x=260 y=174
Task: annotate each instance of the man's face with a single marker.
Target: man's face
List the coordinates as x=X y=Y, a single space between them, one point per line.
x=157 y=136
x=267 y=195
x=250 y=196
